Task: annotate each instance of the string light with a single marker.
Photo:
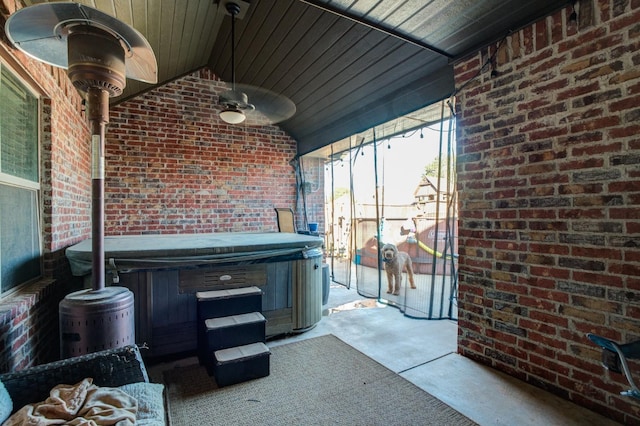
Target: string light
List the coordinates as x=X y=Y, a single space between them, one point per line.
x=573 y=18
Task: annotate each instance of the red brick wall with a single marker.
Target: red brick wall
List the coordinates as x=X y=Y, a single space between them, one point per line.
x=549 y=188
x=172 y=166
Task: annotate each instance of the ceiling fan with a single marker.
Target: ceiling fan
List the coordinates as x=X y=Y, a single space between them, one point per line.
x=252 y=105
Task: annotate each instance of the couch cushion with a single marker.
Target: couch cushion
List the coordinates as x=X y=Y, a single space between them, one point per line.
x=6 y=404
x=150 y=402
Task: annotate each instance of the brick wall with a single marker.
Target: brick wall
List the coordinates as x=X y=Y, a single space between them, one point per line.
x=172 y=166
x=549 y=187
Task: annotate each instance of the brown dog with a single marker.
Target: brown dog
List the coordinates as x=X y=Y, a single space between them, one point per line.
x=395 y=262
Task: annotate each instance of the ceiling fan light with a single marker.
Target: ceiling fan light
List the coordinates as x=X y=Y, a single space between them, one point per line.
x=232 y=116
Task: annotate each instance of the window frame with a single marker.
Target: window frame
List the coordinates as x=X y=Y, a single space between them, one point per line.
x=22 y=183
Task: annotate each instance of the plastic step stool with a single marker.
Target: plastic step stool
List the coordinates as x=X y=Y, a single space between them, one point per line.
x=241 y=363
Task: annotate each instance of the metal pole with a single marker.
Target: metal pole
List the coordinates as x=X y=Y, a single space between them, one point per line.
x=98 y=114
x=378 y=233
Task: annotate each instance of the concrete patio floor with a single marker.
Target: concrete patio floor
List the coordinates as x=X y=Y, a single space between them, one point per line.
x=424 y=352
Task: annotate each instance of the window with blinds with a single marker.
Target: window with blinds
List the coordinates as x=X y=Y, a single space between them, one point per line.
x=20 y=240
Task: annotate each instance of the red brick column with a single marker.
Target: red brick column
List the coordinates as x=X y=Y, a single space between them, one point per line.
x=549 y=184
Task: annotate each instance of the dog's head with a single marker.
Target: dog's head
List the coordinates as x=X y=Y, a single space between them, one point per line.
x=389 y=252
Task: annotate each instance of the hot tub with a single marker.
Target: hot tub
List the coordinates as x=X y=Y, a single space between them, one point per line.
x=165 y=271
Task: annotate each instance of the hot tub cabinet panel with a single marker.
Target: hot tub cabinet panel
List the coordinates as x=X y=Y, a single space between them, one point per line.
x=165 y=302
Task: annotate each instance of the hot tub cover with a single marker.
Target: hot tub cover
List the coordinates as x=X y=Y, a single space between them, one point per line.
x=138 y=252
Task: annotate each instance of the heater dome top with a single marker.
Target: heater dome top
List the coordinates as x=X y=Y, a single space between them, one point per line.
x=41 y=32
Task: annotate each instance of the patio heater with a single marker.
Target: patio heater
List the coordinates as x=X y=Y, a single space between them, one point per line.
x=99 y=52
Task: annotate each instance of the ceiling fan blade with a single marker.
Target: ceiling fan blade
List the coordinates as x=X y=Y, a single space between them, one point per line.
x=270 y=107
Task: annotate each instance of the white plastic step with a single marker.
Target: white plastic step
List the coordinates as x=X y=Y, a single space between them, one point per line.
x=233 y=320
x=227 y=293
x=241 y=353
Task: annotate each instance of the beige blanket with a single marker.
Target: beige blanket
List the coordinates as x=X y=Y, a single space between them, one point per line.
x=81 y=404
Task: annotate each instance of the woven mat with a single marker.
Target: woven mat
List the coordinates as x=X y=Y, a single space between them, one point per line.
x=318 y=381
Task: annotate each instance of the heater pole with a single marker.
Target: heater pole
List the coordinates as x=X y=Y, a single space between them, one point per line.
x=98 y=114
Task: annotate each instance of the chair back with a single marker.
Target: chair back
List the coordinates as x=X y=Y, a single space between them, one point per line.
x=286 y=222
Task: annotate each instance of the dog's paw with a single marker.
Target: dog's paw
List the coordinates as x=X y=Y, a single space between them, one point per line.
x=396 y=293
x=414 y=287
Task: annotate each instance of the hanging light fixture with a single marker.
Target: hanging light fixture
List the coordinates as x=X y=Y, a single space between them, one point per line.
x=232 y=114
x=243 y=103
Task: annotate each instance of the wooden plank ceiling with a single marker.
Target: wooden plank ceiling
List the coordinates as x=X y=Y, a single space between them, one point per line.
x=348 y=65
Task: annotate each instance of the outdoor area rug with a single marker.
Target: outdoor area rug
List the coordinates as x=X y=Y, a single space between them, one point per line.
x=318 y=381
